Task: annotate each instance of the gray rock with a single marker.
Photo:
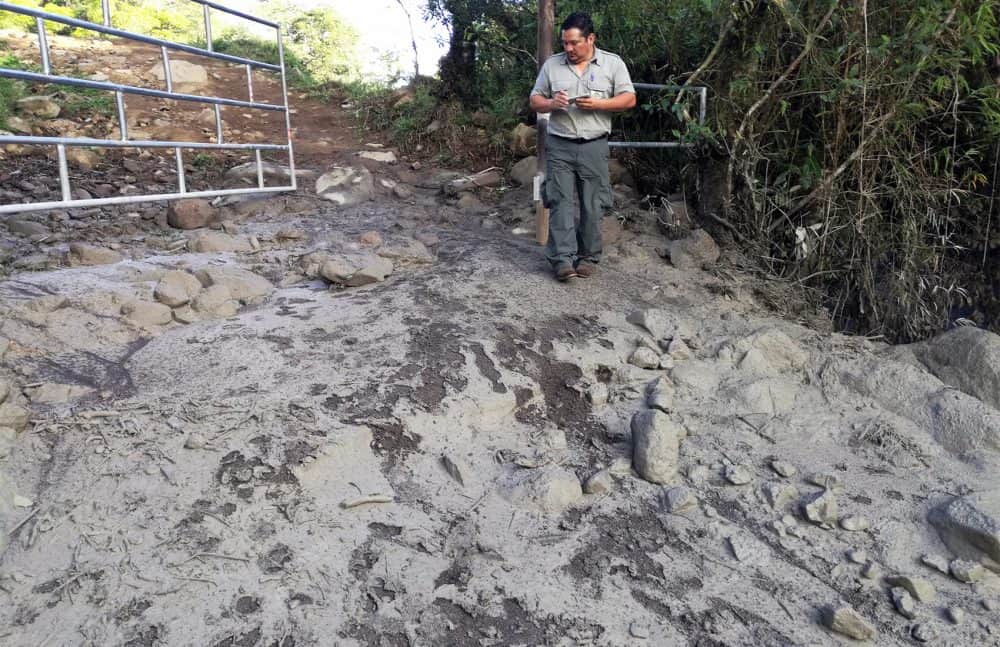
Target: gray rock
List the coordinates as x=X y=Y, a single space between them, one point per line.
x=247 y=173
x=826 y=481
x=857 y=556
x=523 y=172
x=854 y=523
x=678 y=350
x=549 y=489
x=660 y=395
x=655 y=446
x=918 y=587
x=346 y=186
x=598 y=394
x=748 y=550
x=638 y=630
x=147 y=314
x=738 y=475
x=488 y=179
x=659 y=323
x=848 y=622
x=967 y=571
x=244 y=286
x=7 y=439
x=406 y=250
x=215 y=300
x=374 y=272
x=208 y=242
x=599 y=482
x=27 y=228
x=695 y=251
x=970 y=527
x=924 y=632
x=383 y=157
x=871 y=571
x=176 y=288
x=644 y=357
x=13 y=416
x=679 y=499
x=783 y=468
x=195 y=441
x=86 y=254
x=779 y=494
x=904 y=603
x=966 y=357
x=182 y=73
x=938 y=562
x=821 y=509
x=53 y=393
x=7 y=520
x=956 y=615
x=4 y=390
x=192 y=213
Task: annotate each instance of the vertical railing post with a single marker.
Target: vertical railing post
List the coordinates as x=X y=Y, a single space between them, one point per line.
x=43 y=46
x=208 y=28
x=67 y=193
x=106 y=12
x=288 y=116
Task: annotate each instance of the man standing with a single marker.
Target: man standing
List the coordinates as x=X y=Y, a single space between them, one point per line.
x=581 y=87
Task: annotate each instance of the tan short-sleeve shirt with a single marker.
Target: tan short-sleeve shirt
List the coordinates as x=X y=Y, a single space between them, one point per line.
x=606 y=76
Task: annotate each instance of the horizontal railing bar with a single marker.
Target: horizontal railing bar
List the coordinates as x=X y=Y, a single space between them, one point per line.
x=238 y=14
x=649 y=145
x=34 y=140
x=121 y=33
x=133 y=199
x=657 y=86
x=35 y=77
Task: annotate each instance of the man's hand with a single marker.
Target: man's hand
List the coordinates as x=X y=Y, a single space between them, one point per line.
x=560 y=100
x=590 y=103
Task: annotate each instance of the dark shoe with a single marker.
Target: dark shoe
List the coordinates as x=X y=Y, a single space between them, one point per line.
x=566 y=273
x=586 y=270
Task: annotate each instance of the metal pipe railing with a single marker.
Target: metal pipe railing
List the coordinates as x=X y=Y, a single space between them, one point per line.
x=151 y=40
x=702 y=110
x=119 y=90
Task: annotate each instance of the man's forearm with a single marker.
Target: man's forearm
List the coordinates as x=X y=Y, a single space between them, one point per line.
x=539 y=103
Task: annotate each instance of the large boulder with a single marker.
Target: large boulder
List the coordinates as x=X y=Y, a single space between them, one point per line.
x=243 y=286
x=967 y=358
x=655 y=446
x=217 y=241
x=42 y=106
x=177 y=288
x=346 y=185
x=87 y=254
x=182 y=73
x=970 y=526
x=193 y=213
x=523 y=140
x=523 y=172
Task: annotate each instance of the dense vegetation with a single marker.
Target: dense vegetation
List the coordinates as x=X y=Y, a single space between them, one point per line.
x=852 y=146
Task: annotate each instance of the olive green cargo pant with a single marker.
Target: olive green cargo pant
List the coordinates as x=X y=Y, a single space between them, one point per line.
x=575 y=169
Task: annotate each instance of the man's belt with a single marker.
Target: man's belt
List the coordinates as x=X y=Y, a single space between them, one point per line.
x=580 y=140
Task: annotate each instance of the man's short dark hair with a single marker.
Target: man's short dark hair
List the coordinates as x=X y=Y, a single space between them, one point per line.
x=579 y=20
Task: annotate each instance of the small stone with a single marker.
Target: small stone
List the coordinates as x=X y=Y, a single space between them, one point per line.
x=698 y=473
x=13 y=416
x=779 y=494
x=598 y=394
x=871 y=571
x=679 y=499
x=599 y=482
x=638 y=630
x=924 y=632
x=748 y=550
x=738 y=475
x=22 y=502
x=43 y=106
x=209 y=242
x=821 y=509
x=195 y=441
x=371 y=239
x=956 y=615
x=85 y=254
x=375 y=272
x=919 y=588
x=937 y=562
x=848 y=622
x=621 y=465
x=966 y=571
x=645 y=357
x=903 y=602
x=783 y=468
x=7 y=439
x=667 y=362
x=190 y=214
x=854 y=523
x=244 y=286
x=660 y=395
x=678 y=349
x=826 y=481
x=988 y=604
x=857 y=555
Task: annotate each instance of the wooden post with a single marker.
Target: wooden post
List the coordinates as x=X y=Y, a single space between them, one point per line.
x=546 y=24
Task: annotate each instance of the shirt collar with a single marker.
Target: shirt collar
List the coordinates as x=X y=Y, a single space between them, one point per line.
x=594 y=60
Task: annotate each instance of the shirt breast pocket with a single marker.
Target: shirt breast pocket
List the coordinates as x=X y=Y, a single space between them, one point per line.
x=599 y=89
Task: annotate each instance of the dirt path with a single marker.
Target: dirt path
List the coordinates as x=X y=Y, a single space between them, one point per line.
x=403 y=463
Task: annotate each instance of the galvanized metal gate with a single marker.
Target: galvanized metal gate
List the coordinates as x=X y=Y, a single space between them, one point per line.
x=48 y=75
x=702 y=93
